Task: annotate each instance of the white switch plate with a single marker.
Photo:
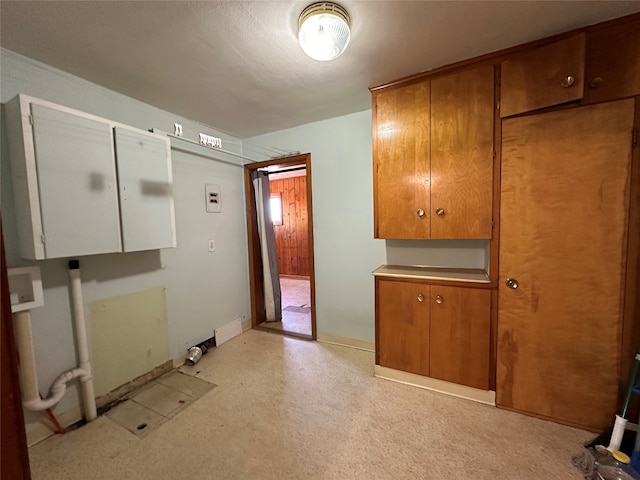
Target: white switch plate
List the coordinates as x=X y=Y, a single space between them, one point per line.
x=212 y=245
x=212 y=198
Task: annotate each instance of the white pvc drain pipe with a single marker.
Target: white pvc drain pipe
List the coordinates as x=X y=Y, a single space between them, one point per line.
x=28 y=376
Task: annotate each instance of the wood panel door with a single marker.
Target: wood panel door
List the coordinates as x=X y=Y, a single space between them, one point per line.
x=292 y=238
x=565 y=184
x=537 y=78
x=402 y=326
x=401 y=162
x=462 y=111
x=460 y=335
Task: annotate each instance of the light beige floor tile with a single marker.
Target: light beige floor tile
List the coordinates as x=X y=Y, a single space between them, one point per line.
x=161 y=399
x=291 y=409
x=187 y=384
x=136 y=418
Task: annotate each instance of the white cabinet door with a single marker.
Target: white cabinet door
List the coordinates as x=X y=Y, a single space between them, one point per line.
x=146 y=190
x=76 y=183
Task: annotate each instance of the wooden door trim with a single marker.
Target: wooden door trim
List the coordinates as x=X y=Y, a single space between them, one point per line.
x=14 y=452
x=255 y=270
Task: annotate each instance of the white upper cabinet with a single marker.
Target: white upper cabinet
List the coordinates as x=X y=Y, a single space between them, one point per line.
x=146 y=196
x=71 y=198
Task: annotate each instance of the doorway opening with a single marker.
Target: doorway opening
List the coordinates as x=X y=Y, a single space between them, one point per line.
x=290 y=213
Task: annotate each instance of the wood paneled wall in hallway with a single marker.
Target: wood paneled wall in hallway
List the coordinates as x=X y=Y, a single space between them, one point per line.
x=292 y=238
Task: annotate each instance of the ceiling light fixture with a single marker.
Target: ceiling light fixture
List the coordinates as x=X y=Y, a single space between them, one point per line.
x=323 y=30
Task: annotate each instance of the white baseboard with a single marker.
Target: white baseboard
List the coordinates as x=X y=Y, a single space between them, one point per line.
x=346 y=342
x=228 y=331
x=246 y=325
x=487 y=397
x=39 y=431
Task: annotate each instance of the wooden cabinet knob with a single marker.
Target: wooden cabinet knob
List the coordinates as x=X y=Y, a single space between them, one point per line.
x=440 y=212
x=420 y=212
x=511 y=283
x=568 y=81
x=439 y=299
x=596 y=82
x=420 y=297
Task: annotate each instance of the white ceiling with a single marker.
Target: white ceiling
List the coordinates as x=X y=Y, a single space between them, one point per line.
x=236 y=65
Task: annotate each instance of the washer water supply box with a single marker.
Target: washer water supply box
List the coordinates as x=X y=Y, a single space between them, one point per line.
x=25 y=288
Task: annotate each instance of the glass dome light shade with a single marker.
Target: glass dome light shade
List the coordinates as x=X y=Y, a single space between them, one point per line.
x=323 y=30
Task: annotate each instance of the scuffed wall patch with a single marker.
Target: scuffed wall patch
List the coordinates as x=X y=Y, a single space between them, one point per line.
x=129 y=337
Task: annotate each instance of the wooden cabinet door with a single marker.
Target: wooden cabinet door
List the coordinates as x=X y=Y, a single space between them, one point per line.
x=537 y=78
x=460 y=335
x=462 y=111
x=402 y=329
x=565 y=183
x=401 y=162
x=612 y=65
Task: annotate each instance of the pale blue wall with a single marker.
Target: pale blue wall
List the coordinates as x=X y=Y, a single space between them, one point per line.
x=204 y=290
x=345 y=250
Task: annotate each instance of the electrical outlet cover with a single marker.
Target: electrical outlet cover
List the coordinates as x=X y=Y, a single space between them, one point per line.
x=212 y=198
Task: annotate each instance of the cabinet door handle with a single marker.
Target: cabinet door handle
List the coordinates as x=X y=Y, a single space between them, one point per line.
x=420 y=212
x=420 y=297
x=439 y=299
x=511 y=283
x=596 y=82
x=440 y=212
x=568 y=81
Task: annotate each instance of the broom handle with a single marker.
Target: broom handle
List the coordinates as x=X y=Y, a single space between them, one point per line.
x=631 y=384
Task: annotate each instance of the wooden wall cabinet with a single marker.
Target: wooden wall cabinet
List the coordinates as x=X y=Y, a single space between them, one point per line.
x=402 y=160
x=71 y=195
x=612 y=63
x=565 y=240
x=437 y=331
x=433 y=157
x=543 y=77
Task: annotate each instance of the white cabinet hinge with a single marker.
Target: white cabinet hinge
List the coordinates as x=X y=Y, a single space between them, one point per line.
x=42 y=238
x=31 y=119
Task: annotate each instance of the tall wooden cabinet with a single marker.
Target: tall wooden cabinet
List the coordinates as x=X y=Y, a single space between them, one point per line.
x=433 y=157
x=556 y=327
x=563 y=248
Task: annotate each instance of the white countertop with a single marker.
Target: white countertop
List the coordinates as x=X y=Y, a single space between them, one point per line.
x=473 y=275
